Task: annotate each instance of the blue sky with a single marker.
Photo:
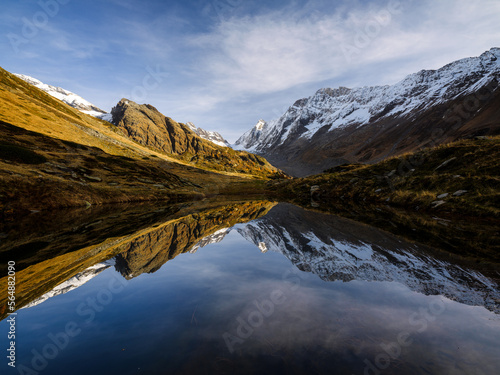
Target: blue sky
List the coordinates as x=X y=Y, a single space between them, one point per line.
x=224 y=64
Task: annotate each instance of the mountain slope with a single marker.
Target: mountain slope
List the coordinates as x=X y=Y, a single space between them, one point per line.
x=368 y=124
x=88 y=108
x=67 y=97
x=53 y=155
x=147 y=126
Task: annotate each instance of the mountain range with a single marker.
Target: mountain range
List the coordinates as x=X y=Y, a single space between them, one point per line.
x=85 y=106
x=355 y=125
x=54 y=155
x=368 y=124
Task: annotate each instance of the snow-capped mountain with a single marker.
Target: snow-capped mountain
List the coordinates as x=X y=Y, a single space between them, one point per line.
x=335 y=248
x=67 y=97
x=359 y=124
x=253 y=138
x=211 y=136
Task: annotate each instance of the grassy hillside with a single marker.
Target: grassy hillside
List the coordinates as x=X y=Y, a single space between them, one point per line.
x=27 y=107
x=461 y=178
x=52 y=155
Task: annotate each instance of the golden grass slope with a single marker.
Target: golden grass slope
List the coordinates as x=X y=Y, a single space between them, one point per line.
x=28 y=107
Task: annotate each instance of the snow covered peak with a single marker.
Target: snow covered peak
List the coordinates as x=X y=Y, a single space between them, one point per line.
x=329 y=109
x=251 y=137
x=67 y=97
x=260 y=125
x=211 y=136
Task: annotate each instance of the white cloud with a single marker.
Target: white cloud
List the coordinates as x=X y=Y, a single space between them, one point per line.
x=276 y=51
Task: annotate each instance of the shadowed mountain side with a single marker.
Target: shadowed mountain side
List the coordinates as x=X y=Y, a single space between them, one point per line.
x=368 y=124
x=83 y=240
x=147 y=126
x=335 y=248
x=147 y=253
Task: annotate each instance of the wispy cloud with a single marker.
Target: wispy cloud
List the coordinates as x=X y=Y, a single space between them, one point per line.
x=276 y=51
x=227 y=72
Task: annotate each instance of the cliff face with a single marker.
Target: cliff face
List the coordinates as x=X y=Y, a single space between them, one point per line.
x=147 y=126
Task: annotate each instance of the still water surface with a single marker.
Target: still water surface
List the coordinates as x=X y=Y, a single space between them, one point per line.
x=285 y=291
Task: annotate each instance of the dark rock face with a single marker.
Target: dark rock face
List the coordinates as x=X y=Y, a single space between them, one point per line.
x=147 y=126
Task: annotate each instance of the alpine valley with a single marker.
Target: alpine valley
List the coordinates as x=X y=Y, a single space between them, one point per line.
x=55 y=154
x=428 y=144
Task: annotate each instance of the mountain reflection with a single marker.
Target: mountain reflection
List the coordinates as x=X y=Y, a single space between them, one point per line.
x=149 y=251
x=336 y=248
x=331 y=247
x=141 y=239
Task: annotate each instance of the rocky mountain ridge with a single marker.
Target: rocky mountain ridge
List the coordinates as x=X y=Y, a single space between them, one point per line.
x=144 y=124
x=368 y=124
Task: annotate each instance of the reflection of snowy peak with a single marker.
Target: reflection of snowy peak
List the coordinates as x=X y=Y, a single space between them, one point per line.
x=68 y=97
x=75 y=282
x=339 y=249
x=213 y=137
x=211 y=239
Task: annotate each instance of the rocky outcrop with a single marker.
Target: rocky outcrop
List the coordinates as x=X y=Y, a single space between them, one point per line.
x=147 y=126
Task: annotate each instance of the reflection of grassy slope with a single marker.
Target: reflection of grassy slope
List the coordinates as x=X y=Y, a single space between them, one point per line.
x=190 y=223
x=398 y=195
